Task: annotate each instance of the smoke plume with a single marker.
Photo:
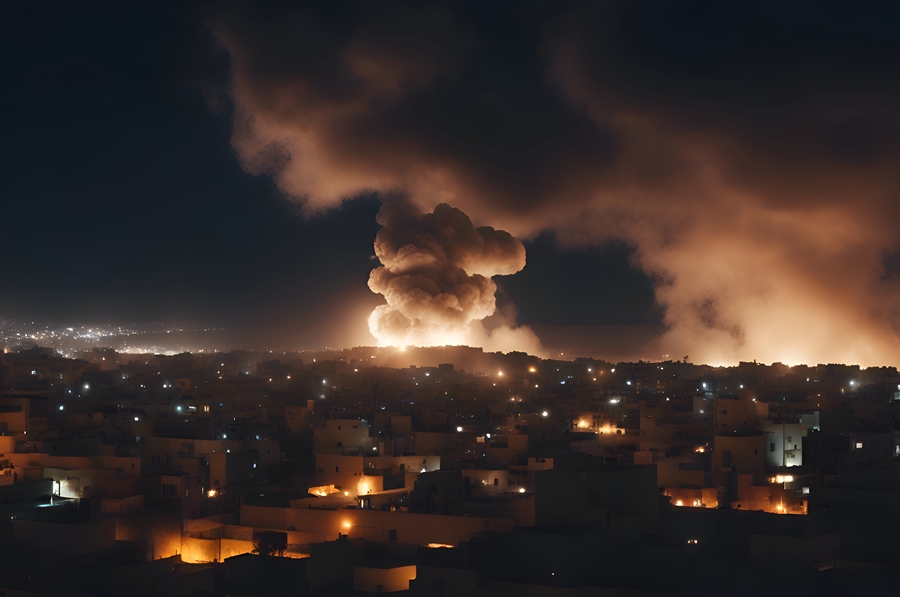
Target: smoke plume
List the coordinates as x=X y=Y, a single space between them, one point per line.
x=436 y=276
x=750 y=163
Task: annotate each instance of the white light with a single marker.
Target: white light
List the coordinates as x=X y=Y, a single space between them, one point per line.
x=489 y=436
x=741 y=386
x=423 y=468
x=87 y=386
x=254 y=465
x=61 y=407
x=704 y=384
x=544 y=414
x=628 y=382
x=178 y=408
x=613 y=370
x=459 y=429
x=324 y=382
x=589 y=369
x=136 y=419
x=521 y=490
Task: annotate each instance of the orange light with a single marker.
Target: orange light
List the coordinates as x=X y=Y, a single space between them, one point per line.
x=211 y=493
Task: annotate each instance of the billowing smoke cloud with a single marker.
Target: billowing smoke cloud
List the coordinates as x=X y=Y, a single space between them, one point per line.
x=436 y=276
x=749 y=161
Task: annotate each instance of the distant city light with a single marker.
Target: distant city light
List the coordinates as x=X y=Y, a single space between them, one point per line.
x=521 y=490
x=459 y=429
x=61 y=407
x=544 y=414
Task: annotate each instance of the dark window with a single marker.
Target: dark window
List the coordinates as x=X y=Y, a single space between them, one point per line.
x=337 y=469
x=392 y=534
x=754 y=451
x=789 y=439
x=496 y=481
x=340 y=444
x=771 y=447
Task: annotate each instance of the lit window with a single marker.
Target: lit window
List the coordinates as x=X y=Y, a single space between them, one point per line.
x=859 y=445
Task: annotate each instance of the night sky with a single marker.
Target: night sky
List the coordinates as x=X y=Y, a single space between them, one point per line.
x=720 y=178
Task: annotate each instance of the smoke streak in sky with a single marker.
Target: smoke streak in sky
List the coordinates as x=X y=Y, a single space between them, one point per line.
x=752 y=171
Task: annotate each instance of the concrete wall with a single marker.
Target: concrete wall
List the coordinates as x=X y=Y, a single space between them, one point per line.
x=122 y=505
x=382 y=580
x=374 y=525
x=66 y=540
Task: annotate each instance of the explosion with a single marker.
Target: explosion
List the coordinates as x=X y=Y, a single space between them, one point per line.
x=436 y=276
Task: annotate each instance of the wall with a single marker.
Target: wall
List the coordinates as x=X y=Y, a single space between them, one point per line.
x=382 y=580
x=778 y=450
x=418 y=529
x=746 y=454
x=66 y=540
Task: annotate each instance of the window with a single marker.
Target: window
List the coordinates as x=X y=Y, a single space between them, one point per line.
x=754 y=451
x=859 y=445
x=337 y=469
x=216 y=482
x=789 y=439
x=771 y=447
x=496 y=481
x=169 y=489
x=340 y=444
x=392 y=534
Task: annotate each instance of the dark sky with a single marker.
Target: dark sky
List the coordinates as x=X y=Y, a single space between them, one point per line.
x=724 y=169
x=123 y=200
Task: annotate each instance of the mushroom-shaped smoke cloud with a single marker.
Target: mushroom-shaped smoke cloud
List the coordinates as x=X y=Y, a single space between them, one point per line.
x=436 y=277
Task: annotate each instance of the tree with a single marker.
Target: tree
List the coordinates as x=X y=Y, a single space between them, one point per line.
x=269 y=543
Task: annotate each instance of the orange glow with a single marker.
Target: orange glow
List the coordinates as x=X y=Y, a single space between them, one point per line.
x=440 y=546
x=323 y=490
x=532 y=370
x=679 y=503
x=211 y=493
